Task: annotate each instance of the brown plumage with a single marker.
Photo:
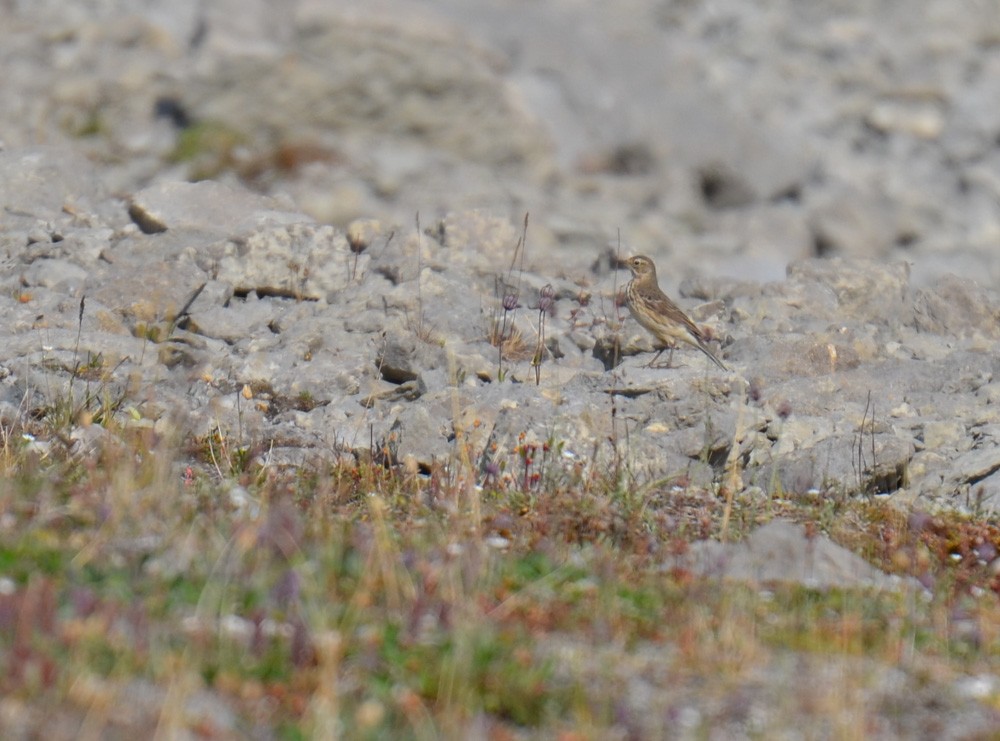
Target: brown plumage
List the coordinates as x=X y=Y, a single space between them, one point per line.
x=658 y=314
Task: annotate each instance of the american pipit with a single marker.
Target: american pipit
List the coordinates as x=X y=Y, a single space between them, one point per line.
x=658 y=314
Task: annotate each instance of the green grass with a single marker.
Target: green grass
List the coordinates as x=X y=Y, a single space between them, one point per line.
x=385 y=604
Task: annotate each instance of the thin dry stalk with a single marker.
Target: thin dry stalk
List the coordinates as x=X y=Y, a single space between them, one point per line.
x=399 y=588
x=545 y=302
x=510 y=294
x=467 y=472
x=734 y=478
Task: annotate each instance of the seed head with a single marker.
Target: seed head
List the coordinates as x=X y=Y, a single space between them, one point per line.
x=546 y=298
x=361 y=233
x=357 y=242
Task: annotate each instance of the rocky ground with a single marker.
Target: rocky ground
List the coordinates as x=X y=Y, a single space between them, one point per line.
x=819 y=186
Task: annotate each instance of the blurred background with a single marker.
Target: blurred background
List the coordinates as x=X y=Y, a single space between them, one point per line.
x=723 y=137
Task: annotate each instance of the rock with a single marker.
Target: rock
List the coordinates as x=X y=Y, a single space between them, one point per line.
x=957 y=308
x=983 y=498
x=731 y=169
x=423 y=433
x=769 y=234
x=973 y=121
x=782 y=552
x=920 y=119
x=832 y=463
x=39 y=182
x=394 y=79
x=396 y=361
x=55 y=273
x=236 y=320
x=207 y=207
x=866 y=290
x=974 y=466
x=481 y=237
x=146 y=294
x=299 y=261
x=944 y=434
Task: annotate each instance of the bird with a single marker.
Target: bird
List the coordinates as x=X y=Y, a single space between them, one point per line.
x=658 y=315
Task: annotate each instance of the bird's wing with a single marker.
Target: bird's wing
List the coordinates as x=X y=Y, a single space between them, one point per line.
x=661 y=304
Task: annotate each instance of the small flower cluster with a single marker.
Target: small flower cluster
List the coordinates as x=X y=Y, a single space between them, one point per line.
x=532 y=459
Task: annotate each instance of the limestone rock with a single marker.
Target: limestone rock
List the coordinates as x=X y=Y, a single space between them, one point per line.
x=782 y=551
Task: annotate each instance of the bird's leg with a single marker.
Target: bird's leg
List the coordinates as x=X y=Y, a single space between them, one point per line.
x=670 y=357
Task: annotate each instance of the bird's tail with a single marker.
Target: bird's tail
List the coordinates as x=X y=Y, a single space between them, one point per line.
x=704 y=348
